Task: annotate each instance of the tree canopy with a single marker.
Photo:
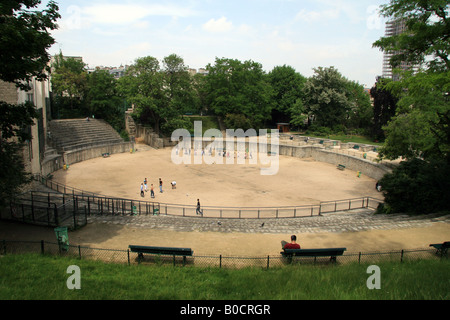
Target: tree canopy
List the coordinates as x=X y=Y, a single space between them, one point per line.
x=426 y=40
x=239 y=92
x=423 y=100
x=419 y=132
x=19 y=25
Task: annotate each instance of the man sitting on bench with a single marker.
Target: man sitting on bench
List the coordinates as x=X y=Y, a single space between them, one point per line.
x=292 y=245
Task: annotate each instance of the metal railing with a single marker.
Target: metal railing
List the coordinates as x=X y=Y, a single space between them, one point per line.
x=101 y=204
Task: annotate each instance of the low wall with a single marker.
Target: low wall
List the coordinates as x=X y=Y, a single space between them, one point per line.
x=149 y=137
x=52 y=165
x=71 y=157
x=310 y=148
x=366 y=167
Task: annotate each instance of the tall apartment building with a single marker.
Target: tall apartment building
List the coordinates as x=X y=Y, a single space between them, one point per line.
x=393 y=28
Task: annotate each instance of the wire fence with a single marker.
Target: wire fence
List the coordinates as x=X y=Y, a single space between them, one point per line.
x=219 y=261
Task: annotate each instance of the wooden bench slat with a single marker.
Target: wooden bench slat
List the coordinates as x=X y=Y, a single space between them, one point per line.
x=315 y=252
x=162 y=250
x=324 y=252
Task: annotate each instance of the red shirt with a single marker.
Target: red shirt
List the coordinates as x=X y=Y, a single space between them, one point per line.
x=292 y=246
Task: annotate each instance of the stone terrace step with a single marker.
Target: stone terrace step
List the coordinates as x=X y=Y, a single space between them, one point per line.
x=76 y=133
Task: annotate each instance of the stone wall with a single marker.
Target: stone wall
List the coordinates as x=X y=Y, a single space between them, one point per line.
x=8 y=92
x=71 y=157
x=150 y=137
x=366 y=167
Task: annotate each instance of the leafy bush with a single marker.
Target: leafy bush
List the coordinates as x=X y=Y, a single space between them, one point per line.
x=237 y=121
x=417 y=186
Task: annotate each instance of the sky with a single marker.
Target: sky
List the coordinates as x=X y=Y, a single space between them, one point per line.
x=302 y=34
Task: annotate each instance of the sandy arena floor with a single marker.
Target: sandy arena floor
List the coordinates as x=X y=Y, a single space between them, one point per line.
x=298 y=181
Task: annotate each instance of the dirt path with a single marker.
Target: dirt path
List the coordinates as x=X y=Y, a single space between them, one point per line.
x=98 y=235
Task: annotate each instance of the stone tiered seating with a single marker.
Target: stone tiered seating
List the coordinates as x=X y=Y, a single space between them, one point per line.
x=73 y=134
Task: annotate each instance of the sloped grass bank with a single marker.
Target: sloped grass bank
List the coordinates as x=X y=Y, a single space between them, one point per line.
x=35 y=277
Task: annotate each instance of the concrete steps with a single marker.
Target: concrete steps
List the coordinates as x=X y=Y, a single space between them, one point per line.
x=73 y=134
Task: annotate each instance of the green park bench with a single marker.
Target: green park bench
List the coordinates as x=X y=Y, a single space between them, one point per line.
x=165 y=251
x=325 y=252
x=441 y=248
x=341 y=167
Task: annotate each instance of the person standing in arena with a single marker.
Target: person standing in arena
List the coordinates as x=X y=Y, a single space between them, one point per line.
x=199 y=211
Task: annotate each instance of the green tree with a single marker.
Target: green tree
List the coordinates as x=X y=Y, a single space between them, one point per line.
x=143 y=86
x=423 y=97
x=160 y=96
x=24 y=40
x=417 y=186
x=384 y=108
x=419 y=131
x=360 y=113
x=102 y=99
x=427 y=34
x=69 y=85
x=239 y=88
x=179 y=85
x=288 y=86
x=327 y=97
x=179 y=92
x=414 y=130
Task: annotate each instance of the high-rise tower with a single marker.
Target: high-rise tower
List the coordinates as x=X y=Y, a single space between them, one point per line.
x=393 y=28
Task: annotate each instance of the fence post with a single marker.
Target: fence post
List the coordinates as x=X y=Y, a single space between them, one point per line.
x=220 y=260
x=401 y=257
x=128 y=254
x=79 y=251
x=32 y=206
x=268 y=262
x=56 y=215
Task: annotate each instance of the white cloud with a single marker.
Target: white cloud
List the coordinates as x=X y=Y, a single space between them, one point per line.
x=77 y=17
x=313 y=16
x=220 y=25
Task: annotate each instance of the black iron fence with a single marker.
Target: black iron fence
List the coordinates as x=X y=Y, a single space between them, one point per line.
x=101 y=204
x=71 y=207
x=48 y=209
x=220 y=261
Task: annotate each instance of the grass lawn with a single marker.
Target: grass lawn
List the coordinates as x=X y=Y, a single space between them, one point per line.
x=37 y=277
